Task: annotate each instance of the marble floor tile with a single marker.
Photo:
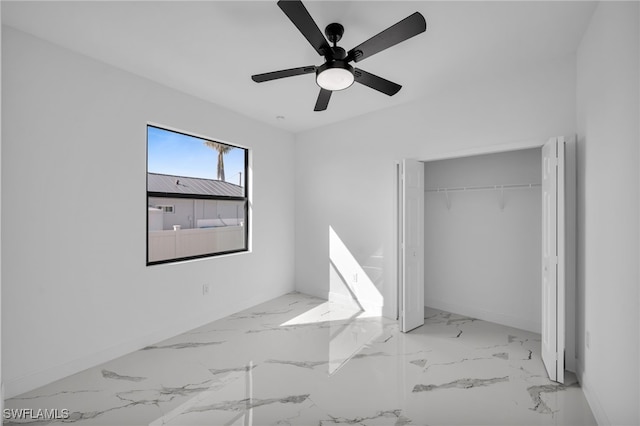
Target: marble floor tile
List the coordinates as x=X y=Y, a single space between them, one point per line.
x=300 y=360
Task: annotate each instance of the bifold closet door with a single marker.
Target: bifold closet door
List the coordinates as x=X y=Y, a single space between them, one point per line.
x=412 y=245
x=553 y=257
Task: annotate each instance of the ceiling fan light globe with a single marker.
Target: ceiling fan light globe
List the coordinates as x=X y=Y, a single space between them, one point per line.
x=335 y=78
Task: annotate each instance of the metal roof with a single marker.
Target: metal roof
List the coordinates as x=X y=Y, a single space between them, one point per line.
x=188 y=185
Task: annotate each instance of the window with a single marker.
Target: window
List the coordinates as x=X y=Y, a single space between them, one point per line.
x=197 y=203
x=165 y=209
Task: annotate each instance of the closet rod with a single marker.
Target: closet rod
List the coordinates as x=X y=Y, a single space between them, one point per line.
x=483 y=188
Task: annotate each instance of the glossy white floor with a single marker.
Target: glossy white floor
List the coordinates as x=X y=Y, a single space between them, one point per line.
x=298 y=360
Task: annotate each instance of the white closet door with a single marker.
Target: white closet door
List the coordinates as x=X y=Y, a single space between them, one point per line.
x=553 y=276
x=412 y=245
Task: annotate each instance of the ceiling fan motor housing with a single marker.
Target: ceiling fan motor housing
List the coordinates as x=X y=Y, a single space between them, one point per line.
x=336 y=53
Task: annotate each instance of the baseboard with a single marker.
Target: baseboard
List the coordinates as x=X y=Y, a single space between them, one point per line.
x=340 y=298
x=469 y=311
x=367 y=306
x=43 y=377
x=570 y=364
x=591 y=397
x=313 y=292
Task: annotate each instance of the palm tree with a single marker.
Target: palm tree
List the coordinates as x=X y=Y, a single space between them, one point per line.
x=222 y=150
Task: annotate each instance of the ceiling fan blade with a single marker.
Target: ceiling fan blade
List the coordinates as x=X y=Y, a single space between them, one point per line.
x=323 y=100
x=378 y=83
x=268 y=76
x=299 y=15
x=403 y=30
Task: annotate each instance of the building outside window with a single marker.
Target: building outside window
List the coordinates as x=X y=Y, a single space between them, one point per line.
x=197 y=203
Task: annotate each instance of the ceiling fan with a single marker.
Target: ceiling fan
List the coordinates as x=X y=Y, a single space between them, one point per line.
x=336 y=73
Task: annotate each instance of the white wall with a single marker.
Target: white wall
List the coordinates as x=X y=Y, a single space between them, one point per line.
x=608 y=211
x=481 y=260
x=1 y=379
x=345 y=173
x=73 y=188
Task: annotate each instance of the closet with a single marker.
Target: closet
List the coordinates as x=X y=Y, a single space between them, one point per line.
x=482 y=237
x=493 y=236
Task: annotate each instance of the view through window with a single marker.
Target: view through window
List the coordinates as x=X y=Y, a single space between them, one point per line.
x=196 y=197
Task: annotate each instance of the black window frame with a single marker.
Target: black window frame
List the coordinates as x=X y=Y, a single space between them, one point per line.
x=169 y=195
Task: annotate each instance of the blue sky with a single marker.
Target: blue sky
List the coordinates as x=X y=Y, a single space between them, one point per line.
x=181 y=155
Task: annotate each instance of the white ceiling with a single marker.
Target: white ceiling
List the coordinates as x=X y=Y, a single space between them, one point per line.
x=210 y=49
